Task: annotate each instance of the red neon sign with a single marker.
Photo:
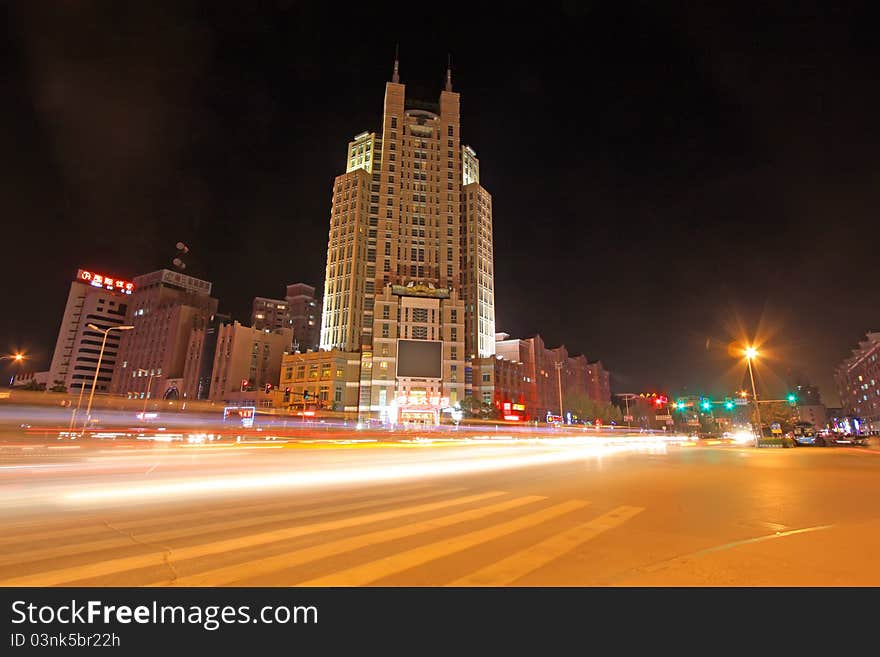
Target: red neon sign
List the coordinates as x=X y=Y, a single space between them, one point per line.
x=106 y=282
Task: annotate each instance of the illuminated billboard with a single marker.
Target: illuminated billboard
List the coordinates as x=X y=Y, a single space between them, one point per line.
x=420 y=359
x=106 y=282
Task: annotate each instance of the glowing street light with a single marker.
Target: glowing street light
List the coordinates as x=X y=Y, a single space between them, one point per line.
x=18 y=358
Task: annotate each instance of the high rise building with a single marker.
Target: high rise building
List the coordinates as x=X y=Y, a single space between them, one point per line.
x=270 y=314
x=478 y=268
x=409 y=257
x=299 y=311
x=858 y=382
x=93 y=299
x=305 y=316
x=164 y=309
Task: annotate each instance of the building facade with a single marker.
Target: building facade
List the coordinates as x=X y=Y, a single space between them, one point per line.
x=305 y=316
x=549 y=375
x=165 y=308
x=200 y=352
x=299 y=311
x=501 y=383
x=400 y=255
x=858 y=382
x=270 y=314
x=93 y=299
x=320 y=380
x=246 y=359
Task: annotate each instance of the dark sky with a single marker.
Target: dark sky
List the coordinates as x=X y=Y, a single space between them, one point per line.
x=664 y=178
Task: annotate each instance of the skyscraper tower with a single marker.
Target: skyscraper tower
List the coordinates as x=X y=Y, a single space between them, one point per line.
x=408 y=257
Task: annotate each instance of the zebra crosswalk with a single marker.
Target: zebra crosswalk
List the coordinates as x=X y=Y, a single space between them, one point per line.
x=345 y=542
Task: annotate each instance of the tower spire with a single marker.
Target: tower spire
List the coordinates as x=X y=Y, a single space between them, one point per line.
x=448 y=71
x=395 y=77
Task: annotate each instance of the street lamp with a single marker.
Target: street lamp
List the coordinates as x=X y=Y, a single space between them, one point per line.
x=17 y=358
x=147 y=394
x=98 y=366
x=752 y=353
x=559 y=383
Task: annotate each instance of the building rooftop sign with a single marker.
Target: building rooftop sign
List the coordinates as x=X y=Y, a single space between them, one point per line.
x=106 y=282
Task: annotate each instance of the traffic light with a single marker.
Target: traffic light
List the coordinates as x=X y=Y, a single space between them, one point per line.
x=792 y=398
x=728 y=404
x=305 y=394
x=680 y=405
x=268 y=388
x=706 y=404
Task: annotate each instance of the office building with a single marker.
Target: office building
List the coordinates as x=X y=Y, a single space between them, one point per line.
x=93 y=299
x=164 y=309
x=409 y=258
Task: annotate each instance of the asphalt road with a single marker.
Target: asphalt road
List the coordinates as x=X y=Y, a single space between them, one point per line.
x=582 y=512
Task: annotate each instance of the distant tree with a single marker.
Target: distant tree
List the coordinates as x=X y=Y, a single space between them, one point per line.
x=33 y=385
x=776 y=412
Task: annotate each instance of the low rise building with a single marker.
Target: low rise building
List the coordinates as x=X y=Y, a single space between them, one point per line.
x=549 y=375
x=320 y=380
x=246 y=359
x=502 y=383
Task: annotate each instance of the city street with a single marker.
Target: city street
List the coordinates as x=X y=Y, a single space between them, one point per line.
x=586 y=510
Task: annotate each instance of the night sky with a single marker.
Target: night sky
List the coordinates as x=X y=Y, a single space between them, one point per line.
x=665 y=180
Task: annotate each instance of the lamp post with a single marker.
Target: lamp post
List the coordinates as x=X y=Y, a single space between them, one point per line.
x=751 y=353
x=559 y=384
x=147 y=394
x=98 y=366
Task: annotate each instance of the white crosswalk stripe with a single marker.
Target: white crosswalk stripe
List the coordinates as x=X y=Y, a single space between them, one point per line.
x=123 y=538
x=419 y=529
x=375 y=570
x=124 y=564
x=511 y=568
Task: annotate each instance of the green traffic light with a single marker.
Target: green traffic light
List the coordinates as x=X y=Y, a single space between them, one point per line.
x=707 y=404
x=728 y=405
x=792 y=398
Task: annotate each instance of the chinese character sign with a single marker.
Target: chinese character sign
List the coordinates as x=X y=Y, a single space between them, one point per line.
x=106 y=282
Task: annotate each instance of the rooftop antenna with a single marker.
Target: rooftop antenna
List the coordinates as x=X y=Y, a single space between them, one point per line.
x=395 y=77
x=448 y=71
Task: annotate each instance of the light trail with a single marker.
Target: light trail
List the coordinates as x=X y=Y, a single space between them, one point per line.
x=537 y=453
